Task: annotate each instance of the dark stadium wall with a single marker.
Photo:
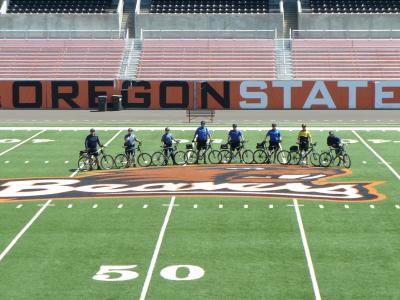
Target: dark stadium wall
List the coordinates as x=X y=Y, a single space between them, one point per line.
x=248 y=94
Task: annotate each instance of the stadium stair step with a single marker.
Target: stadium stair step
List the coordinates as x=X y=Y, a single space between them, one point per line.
x=128 y=19
x=130 y=61
x=283 y=59
x=290 y=17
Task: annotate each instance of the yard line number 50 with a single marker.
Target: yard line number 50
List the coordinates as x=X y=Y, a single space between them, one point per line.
x=123 y=273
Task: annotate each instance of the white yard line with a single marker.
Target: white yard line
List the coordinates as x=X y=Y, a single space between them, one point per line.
x=21 y=143
x=40 y=211
x=307 y=251
x=157 y=250
x=377 y=155
x=191 y=128
x=21 y=233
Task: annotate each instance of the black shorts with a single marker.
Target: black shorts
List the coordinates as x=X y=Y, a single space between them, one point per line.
x=234 y=146
x=93 y=151
x=338 y=149
x=201 y=145
x=273 y=145
x=130 y=152
x=303 y=146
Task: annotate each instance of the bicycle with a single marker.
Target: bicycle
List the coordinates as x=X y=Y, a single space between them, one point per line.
x=160 y=159
x=192 y=156
x=86 y=162
x=296 y=157
x=238 y=155
x=264 y=155
x=335 y=158
x=124 y=161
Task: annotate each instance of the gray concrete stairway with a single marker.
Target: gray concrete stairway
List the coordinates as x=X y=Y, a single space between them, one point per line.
x=128 y=18
x=283 y=59
x=290 y=17
x=131 y=59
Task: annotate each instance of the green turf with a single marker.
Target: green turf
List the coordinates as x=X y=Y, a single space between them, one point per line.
x=246 y=253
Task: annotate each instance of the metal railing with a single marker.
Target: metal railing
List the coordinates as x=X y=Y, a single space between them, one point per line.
x=120 y=12
x=61 y=34
x=3 y=7
x=345 y=34
x=207 y=34
x=137 y=8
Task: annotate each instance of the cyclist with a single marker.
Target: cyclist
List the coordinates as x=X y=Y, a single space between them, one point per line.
x=91 y=142
x=235 y=136
x=334 y=142
x=274 y=138
x=304 y=139
x=166 y=142
x=201 y=137
x=129 y=144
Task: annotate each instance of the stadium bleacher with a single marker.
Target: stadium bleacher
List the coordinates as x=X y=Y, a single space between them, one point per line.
x=61 y=6
x=207 y=59
x=355 y=6
x=60 y=59
x=209 y=6
x=346 y=59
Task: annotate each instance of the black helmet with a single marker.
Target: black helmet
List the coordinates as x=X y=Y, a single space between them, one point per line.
x=166 y=128
x=273 y=124
x=203 y=123
x=130 y=129
x=303 y=125
x=234 y=125
x=92 y=130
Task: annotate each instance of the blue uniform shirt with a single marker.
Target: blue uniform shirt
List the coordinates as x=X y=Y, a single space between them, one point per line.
x=274 y=135
x=131 y=140
x=92 y=141
x=235 y=135
x=167 y=139
x=202 y=134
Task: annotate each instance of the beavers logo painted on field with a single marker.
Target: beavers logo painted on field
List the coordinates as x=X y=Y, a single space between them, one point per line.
x=283 y=182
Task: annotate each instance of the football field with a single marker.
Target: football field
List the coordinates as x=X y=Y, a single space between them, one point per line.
x=204 y=244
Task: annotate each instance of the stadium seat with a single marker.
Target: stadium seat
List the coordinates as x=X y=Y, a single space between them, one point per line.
x=208 y=6
x=355 y=6
x=346 y=59
x=61 y=6
x=207 y=59
x=60 y=59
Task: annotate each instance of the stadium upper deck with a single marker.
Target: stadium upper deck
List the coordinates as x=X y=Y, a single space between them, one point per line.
x=61 y=6
x=355 y=6
x=209 y=6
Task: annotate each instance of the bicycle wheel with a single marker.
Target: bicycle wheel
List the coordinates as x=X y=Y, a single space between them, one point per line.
x=247 y=156
x=283 y=157
x=325 y=159
x=346 y=161
x=121 y=161
x=235 y=157
x=226 y=156
x=214 y=157
x=337 y=161
x=83 y=164
x=144 y=160
x=190 y=157
x=180 y=158
x=159 y=159
x=314 y=158
x=295 y=158
x=260 y=156
x=107 y=162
